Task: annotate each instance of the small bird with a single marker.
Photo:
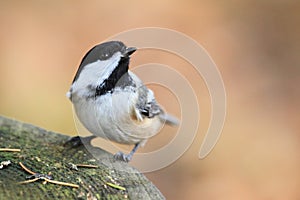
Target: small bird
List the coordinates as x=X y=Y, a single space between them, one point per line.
x=112 y=102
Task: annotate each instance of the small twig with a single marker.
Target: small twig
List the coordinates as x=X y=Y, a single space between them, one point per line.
x=74 y=166
x=28 y=181
x=10 y=150
x=87 y=166
x=115 y=186
x=26 y=169
x=62 y=183
x=43 y=177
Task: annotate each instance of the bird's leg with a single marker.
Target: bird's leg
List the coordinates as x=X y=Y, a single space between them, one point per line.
x=126 y=157
x=78 y=141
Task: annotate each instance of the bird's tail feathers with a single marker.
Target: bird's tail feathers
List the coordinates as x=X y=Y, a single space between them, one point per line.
x=169 y=119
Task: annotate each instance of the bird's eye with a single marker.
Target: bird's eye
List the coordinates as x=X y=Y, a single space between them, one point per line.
x=105 y=55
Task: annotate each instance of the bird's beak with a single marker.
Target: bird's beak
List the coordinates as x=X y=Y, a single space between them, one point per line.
x=129 y=51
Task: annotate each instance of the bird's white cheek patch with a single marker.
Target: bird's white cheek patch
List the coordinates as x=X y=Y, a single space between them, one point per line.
x=96 y=72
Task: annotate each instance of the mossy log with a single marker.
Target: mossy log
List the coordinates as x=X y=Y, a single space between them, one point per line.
x=44 y=152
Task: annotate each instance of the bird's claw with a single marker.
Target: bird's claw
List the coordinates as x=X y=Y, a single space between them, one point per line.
x=122 y=157
x=79 y=141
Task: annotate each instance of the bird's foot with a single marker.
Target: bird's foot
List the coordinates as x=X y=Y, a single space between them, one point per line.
x=79 y=141
x=126 y=157
x=122 y=156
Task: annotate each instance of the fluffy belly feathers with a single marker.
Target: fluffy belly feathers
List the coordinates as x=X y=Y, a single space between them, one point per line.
x=114 y=117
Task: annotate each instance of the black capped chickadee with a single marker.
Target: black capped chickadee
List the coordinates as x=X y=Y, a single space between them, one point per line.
x=112 y=102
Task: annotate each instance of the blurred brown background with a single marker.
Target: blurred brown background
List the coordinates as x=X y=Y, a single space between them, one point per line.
x=255 y=44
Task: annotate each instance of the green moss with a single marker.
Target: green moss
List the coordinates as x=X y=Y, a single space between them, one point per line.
x=43 y=152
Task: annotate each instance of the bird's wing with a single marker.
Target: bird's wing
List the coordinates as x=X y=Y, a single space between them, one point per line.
x=146 y=104
x=148 y=107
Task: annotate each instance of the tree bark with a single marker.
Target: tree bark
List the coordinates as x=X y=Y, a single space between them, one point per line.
x=44 y=152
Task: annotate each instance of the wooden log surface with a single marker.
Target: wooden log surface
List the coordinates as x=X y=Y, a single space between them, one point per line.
x=43 y=152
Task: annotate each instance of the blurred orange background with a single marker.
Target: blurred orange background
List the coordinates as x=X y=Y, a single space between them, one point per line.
x=255 y=44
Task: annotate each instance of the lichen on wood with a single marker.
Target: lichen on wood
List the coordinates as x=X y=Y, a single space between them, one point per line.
x=44 y=152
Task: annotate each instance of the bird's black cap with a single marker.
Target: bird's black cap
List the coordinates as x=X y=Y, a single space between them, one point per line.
x=102 y=52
